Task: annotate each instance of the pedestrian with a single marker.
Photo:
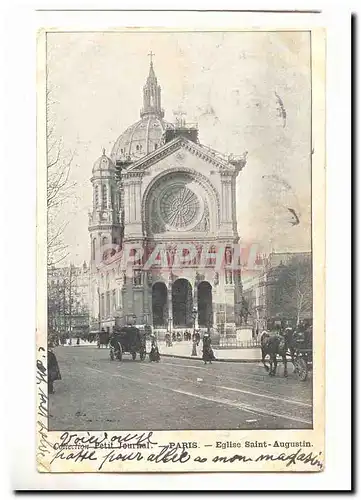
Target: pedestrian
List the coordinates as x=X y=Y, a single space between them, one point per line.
x=53 y=369
x=78 y=341
x=208 y=355
x=154 y=351
x=198 y=337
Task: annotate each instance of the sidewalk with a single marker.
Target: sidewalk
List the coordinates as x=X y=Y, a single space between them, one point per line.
x=184 y=350
x=82 y=344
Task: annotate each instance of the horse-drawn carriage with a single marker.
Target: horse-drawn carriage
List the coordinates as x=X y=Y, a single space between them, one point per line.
x=127 y=339
x=293 y=346
x=300 y=351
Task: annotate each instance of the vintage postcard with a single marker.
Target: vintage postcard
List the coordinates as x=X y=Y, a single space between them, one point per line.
x=181 y=238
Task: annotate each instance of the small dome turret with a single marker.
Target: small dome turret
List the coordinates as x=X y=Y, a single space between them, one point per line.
x=103 y=164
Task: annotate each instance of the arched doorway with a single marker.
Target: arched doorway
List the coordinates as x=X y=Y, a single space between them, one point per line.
x=205 y=309
x=182 y=303
x=159 y=305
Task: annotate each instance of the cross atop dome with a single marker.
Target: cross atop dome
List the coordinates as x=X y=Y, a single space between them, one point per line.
x=151 y=54
x=151 y=77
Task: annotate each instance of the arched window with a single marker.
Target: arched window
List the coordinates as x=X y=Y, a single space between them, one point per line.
x=155 y=146
x=93 y=248
x=104 y=241
x=104 y=195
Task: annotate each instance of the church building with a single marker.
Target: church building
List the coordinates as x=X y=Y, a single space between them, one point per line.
x=161 y=189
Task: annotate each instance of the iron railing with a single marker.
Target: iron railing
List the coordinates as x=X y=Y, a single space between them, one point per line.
x=237 y=344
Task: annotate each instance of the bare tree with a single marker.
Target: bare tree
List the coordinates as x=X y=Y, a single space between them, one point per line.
x=59 y=188
x=292 y=290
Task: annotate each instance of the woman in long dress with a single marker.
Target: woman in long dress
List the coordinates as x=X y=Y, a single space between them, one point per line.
x=154 y=351
x=53 y=370
x=208 y=355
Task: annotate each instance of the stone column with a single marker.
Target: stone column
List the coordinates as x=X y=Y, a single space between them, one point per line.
x=137 y=200
x=170 y=307
x=195 y=303
x=214 y=312
x=226 y=205
x=126 y=203
x=145 y=294
x=133 y=207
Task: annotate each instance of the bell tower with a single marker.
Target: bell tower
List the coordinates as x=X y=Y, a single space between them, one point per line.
x=104 y=219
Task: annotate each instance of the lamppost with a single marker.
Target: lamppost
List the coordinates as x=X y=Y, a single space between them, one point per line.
x=98 y=310
x=194 y=347
x=169 y=329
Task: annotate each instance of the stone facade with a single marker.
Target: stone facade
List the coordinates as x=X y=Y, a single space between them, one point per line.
x=177 y=193
x=68 y=299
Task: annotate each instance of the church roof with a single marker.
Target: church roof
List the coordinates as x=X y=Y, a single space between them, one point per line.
x=148 y=135
x=145 y=135
x=224 y=162
x=103 y=164
x=140 y=139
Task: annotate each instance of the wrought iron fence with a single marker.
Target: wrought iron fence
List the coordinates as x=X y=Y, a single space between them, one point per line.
x=238 y=344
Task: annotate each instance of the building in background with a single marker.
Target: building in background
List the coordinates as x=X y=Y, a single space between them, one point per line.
x=282 y=292
x=68 y=300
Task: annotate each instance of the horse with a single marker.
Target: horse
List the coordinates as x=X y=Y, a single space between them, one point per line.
x=273 y=344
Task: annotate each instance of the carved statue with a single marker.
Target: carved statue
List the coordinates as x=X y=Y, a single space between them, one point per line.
x=228 y=254
x=137 y=279
x=206 y=223
x=229 y=278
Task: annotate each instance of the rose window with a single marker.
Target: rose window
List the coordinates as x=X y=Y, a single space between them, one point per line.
x=179 y=207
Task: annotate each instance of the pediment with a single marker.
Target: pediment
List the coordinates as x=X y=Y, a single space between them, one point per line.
x=177 y=146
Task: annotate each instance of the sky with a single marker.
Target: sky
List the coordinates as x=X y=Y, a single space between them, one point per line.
x=231 y=84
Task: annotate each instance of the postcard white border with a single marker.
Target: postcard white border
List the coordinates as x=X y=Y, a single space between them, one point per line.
x=338 y=154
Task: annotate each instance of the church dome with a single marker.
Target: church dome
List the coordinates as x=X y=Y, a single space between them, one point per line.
x=145 y=135
x=140 y=139
x=103 y=164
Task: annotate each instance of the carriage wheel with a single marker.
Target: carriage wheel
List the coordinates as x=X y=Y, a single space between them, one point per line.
x=301 y=369
x=134 y=355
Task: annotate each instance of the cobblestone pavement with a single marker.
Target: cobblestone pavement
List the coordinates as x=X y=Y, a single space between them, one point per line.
x=98 y=394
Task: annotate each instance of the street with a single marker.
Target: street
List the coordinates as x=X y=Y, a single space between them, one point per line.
x=98 y=394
